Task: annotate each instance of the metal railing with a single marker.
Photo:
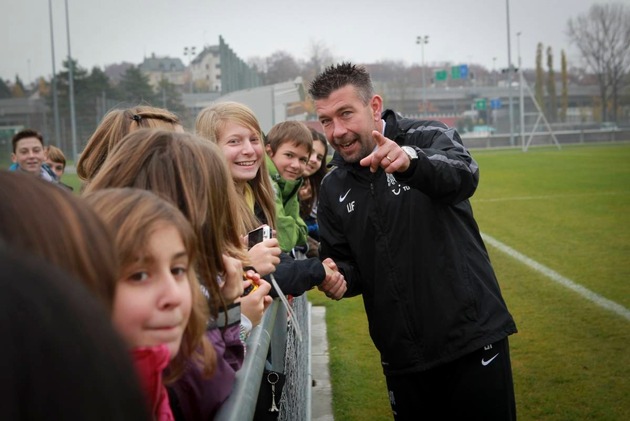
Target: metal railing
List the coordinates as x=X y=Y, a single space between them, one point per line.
x=289 y=355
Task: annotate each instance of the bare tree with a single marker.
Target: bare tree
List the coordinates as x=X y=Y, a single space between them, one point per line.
x=259 y=63
x=603 y=38
x=319 y=56
x=281 y=67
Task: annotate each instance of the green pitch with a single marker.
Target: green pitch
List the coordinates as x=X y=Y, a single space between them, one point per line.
x=567 y=212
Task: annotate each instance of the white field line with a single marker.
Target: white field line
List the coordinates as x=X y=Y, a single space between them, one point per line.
x=551 y=196
x=556 y=277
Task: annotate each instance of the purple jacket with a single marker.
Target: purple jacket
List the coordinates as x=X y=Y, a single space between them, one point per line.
x=198 y=398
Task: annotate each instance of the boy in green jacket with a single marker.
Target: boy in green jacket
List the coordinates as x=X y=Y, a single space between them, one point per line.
x=289 y=145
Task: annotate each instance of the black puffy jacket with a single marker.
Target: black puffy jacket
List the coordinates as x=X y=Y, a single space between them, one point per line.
x=409 y=243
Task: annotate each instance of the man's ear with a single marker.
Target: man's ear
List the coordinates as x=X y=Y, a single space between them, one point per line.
x=269 y=151
x=376 y=105
x=13 y=157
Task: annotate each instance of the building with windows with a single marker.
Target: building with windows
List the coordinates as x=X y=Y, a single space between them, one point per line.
x=206 y=70
x=158 y=68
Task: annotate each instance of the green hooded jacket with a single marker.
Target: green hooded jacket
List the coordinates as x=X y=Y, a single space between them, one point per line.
x=291 y=229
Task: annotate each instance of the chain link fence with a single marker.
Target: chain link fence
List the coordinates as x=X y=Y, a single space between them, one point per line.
x=273 y=345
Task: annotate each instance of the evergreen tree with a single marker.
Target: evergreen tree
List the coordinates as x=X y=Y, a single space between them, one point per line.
x=81 y=104
x=18 y=90
x=134 y=88
x=43 y=87
x=540 y=78
x=5 y=91
x=170 y=98
x=99 y=92
x=564 y=95
x=551 y=87
x=91 y=89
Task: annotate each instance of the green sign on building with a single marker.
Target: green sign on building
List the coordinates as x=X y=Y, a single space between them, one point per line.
x=480 y=104
x=455 y=72
x=441 y=75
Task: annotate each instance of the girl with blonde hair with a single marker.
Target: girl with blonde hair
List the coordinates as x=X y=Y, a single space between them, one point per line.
x=235 y=129
x=249 y=171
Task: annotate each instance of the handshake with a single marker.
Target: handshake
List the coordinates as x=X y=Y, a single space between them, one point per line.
x=334 y=285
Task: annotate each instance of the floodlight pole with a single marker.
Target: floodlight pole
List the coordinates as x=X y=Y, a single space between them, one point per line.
x=521 y=88
x=510 y=71
x=54 y=79
x=190 y=52
x=423 y=39
x=73 y=119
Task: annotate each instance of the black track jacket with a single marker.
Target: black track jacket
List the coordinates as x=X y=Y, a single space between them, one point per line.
x=409 y=243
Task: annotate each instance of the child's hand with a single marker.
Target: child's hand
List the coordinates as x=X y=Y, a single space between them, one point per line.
x=232 y=286
x=254 y=304
x=265 y=255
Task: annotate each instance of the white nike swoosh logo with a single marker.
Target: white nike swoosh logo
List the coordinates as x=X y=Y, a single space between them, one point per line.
x=485 y=363
x=342 y=198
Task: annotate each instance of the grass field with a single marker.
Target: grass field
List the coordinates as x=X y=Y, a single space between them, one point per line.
x=568 y=211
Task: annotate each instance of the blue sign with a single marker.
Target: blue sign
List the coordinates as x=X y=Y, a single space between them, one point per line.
x=495 y=103
x=463 y=71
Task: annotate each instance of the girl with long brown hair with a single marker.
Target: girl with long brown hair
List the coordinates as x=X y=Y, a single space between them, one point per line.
x=192 y=174
x=158 y=308
x=115 y=125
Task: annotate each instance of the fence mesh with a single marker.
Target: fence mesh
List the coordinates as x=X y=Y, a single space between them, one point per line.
x=296 y=367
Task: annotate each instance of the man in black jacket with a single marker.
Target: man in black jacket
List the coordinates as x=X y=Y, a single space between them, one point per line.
x=394 y=215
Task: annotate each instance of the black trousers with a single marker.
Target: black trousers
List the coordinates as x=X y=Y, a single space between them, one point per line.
x=477 y=386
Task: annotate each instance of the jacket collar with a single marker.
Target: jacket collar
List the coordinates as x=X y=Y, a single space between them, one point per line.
x=288 y=188
x=391 y=124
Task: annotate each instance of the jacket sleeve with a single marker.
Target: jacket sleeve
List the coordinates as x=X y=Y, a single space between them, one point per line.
x=444 y=170
x=333 y=244
x=295 y=277
x=199 y=398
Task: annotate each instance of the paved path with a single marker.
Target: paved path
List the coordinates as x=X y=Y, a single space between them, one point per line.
x=321 y=409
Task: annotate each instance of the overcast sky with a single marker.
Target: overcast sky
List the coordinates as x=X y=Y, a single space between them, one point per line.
x=103 y=32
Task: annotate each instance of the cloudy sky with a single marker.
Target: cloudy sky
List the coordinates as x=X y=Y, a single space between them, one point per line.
x=110 y=31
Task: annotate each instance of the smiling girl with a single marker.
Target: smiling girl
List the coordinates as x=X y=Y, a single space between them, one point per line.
x=236 y=130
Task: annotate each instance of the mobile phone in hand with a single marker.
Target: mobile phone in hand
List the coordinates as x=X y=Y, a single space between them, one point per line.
x=259 y=234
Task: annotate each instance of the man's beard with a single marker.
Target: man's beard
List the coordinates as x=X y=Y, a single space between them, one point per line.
x=365 y=148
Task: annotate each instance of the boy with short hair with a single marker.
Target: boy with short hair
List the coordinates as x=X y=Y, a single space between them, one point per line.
x=289 y=145
x=28 y=154
x=56 y=161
